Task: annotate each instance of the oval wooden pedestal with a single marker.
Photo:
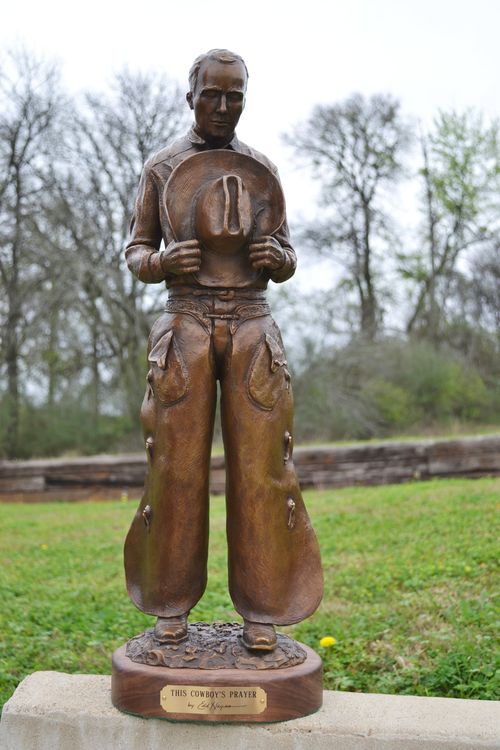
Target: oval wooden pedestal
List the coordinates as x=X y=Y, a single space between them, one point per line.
x=224 y=695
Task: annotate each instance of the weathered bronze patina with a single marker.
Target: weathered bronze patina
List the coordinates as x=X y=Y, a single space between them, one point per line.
x=219 y=209
x=213 y=646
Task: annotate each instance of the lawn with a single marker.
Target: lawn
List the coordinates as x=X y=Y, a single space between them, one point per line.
x=410 y=582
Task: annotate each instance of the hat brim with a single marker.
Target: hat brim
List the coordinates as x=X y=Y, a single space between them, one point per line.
x=189 y=177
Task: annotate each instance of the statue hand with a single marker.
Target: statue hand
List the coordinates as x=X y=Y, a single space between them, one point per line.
x=266 y=252
x=181 y=257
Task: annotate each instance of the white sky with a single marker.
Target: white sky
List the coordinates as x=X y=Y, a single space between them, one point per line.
x=429 y=53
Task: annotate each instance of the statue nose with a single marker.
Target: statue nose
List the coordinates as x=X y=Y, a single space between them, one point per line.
x=222 y=103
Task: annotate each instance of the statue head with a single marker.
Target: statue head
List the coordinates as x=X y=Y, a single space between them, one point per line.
x=217 y=82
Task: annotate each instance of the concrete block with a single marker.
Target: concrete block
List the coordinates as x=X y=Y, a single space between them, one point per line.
x=55 y=711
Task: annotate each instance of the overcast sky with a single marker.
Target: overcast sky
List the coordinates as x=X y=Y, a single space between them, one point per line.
x=431 y=54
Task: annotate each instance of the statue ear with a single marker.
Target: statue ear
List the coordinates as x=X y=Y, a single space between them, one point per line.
x=189 y=99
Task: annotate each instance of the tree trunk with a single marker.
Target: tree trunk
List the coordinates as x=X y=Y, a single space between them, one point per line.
x=12 y=332
x=368 y=306
x=96 y=383
x=12 y=441
x=52 y=357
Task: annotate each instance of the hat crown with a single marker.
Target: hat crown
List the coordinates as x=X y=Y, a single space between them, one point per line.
x=255 y=208
x=224 y=215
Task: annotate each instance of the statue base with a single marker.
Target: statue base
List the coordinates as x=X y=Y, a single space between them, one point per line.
x=222 y=682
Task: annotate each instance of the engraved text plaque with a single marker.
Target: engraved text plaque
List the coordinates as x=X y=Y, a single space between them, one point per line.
x=196 y=699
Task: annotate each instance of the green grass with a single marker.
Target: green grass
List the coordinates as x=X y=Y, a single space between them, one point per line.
x=410 y=581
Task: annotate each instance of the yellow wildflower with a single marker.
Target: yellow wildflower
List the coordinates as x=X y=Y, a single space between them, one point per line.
x=44 y=546
x=327 y=641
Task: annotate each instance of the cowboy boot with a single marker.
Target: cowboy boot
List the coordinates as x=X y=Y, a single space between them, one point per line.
x=171 y=629
x=258 y=636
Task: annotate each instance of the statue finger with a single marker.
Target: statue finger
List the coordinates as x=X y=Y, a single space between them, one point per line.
x=189 y=243
x=190 y=253
x=257 y=247
x=258 y=253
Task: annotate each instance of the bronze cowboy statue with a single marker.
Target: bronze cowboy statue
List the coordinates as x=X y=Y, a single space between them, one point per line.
x=219 y=209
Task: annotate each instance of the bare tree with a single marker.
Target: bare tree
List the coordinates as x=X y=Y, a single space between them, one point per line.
x=112 y=136
x=486 y=287
x=30 y=103
x=355 y=149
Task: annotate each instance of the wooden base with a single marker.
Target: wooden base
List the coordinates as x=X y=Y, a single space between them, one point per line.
x=224 y=695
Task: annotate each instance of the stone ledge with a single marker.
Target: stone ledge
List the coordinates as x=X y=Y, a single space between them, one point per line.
x=373 y=463
x=56 y=711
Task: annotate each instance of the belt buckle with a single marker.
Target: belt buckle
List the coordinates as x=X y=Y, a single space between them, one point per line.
x=222 y=316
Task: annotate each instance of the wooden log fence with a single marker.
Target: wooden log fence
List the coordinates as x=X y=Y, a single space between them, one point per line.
x=100 y=477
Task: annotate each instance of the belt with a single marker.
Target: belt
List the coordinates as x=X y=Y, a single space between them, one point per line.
x=184 y=292
x=199 y=310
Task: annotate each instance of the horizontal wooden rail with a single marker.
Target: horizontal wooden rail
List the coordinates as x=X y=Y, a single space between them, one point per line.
x=338 y=466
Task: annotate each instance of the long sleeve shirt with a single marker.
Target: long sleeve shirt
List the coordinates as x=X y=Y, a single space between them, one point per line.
x=150 y=224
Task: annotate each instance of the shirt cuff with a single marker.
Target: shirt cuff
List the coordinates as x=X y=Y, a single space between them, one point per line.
x=285 y=271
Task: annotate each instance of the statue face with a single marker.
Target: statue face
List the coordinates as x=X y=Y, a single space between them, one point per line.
x=218 y=100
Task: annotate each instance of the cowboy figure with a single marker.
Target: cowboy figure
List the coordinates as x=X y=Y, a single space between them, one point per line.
x=218 y=207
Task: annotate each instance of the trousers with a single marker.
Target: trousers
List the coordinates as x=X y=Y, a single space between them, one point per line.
x=274 y=566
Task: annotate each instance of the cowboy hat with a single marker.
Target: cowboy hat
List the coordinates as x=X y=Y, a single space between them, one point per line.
x=224 y=199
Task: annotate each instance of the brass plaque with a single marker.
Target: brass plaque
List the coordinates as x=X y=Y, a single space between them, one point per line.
x=198 y=699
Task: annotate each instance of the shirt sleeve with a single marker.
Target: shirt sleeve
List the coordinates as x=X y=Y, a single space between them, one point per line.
x=145 y=235
x=287 y=270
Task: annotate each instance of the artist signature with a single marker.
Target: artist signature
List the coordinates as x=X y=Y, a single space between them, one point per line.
x=214 y=706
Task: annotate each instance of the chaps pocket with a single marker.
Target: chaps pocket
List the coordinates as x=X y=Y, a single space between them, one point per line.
x=269 y=376
x=168 y=375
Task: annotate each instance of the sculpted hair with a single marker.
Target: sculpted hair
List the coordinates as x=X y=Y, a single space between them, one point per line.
x=221 y=55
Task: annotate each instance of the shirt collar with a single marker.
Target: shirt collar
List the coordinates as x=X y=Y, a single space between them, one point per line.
x=193 y=136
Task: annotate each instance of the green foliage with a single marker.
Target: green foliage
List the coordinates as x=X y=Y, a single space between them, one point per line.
x=364 y=390
x=358 y=391
x=464 y=164
x=460 y=185
x=410 y=586
x=441 y=385
x=393 y=403
x=69 y=427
